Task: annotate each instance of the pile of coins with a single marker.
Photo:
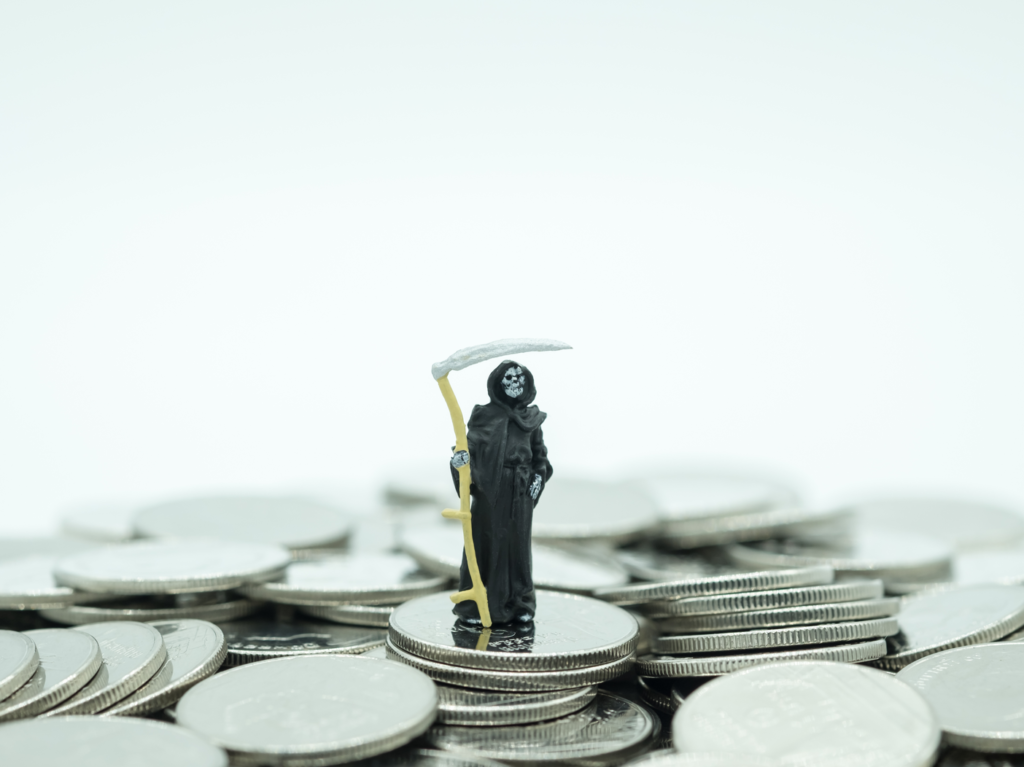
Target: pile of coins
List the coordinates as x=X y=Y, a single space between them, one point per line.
x=681 y=620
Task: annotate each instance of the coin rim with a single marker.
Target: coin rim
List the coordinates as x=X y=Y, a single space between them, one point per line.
x=789 y=636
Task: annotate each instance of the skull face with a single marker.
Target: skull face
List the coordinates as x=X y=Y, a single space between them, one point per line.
x=514 y=382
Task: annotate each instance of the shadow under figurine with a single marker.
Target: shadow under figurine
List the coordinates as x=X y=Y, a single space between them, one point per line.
x=509 y=470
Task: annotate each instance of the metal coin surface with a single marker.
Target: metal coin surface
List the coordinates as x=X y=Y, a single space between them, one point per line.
x=668 y=667
x=132 y=653
x=48 y=546
x=691 y=495
x=888 y=555
x=423 y=757
x=583 y=510
x=709 y=759
x=512 y=681
x=773 y=523
x=656 y=694
x=438 y=549
x=810 y=712
x=27 y=584
x=171 y=567
x=111 y=523
x=990 y=566
x=89 y=741
x=976 y=692
x=304 y=711
x=569 y=631
x=649 y=564
x=378 y=652
x=939 y=620
x=250 y=641
x=766 y=600
x=352 y=615
x=68 y=659
x=783 y=616
x=963 y=524
x=358 y=578
x=765 y=639
x=19 y=660
x=958 y=758
x=461 y=706
x=295 y=523
x=146 y=609
x=609 y=727
x=736 y=582
x=195 y=650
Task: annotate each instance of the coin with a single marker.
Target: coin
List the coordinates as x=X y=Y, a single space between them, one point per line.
x=708 y=759
x=68 y=659
x=87 y=741
x=669 y=667
x=772 y=523
x=169 y=567
x=438 y=549
x=295 y=523
x=583 y=510
x=868 y=554
x=650 y=564
x=782 y=616
x=358 y=578
x=569 y=631
x=698 y=495
x=977 y=694
x=195 y=650
x=352 y=615
x=990 y=566
x=132 y=653
x=736 y=582
x=609 y=728
x=302 y=711
x=810 y=712
x=27 y=584
x=378 y=652
x=957 y=758
x=512 y=681
x=458 y=705
x=423 y=757
x=219 y=608
x=656 y=694
x=963 y=524
x=939 y=620
x=763 y=639
x=107 y=523
x=47 y=546
x=256 y=640
x=18 y=661
x=766 y=600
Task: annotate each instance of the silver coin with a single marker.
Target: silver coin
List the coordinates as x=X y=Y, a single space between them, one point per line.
x=512 y=681
x=957 y=758
x=569 y=631
x=867 y=553
x=584 y=510
x=650 y=564
x=132 y=654
x=438 y=549
x=352 y=615
x=108 y=523
x=810 y=712
x=977 y=694
x=940 y=620
x=609 y=727
x=378 y=652
x=766 y=600
x=669 y=667
x=250 y=641
x=783 y=616
x=962 y=524
x=698 y=495
x=306 y=711
x=773 y=523
x=736 y=582
x=653 y=694
x=422 y=757
x=68 y=659
x=461 y=706
x=195 y=650
x=764 y=639
x=990 y=566
x=19 y=660
x=709 y=759
x=170 y=567
x=358 y=578
x=295 y=523
x=27 y=584
x=219 y=609
x=87 y=741
x=48 y=546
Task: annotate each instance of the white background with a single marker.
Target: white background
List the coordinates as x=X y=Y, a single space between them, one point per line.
x=234 y=236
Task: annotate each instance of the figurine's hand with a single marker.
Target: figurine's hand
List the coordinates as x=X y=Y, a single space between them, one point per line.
x=460 y=459
x=535 y=486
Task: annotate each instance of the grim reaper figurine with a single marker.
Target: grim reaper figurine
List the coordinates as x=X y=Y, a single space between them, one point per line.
x=509 y=469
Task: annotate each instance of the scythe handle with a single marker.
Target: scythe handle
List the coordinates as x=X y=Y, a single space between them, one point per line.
x=478 y=593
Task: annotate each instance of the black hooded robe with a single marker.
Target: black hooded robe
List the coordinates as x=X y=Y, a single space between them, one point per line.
x=506 y=451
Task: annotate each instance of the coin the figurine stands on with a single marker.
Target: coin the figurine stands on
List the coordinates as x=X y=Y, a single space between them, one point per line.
x=508 y=473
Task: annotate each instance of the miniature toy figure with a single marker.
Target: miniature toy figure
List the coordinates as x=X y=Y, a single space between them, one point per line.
x=503 y=465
